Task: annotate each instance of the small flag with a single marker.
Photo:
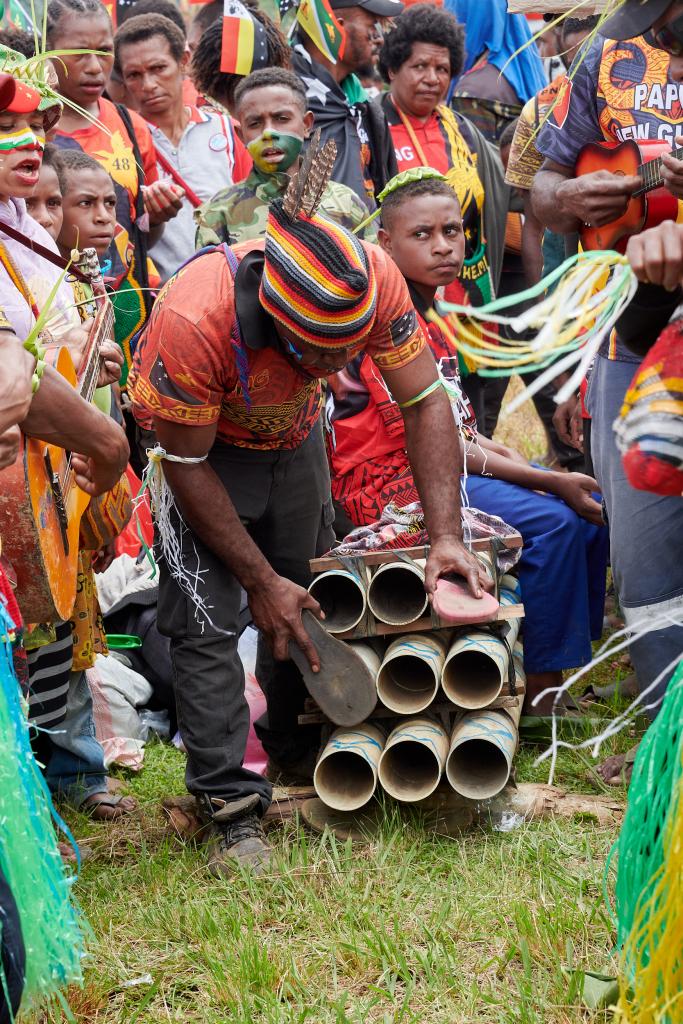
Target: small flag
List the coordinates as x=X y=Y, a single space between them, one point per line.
x=110 y=8
x=317 y=19
x=244 y=45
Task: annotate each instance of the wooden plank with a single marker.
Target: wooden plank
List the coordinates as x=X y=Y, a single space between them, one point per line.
x=508 y=701
x=382 y=557
x=576 y=8
x=426 y=624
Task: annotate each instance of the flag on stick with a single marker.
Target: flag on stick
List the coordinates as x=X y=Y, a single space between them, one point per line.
x=244 y=45
x=317 y=19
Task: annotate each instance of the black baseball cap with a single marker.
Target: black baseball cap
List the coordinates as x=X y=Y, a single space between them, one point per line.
x=634 y=18
x=380 y=8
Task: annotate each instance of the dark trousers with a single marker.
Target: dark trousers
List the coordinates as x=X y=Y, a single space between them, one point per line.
x=283 y=499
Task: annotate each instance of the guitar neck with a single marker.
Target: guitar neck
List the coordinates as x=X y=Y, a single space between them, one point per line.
x=92 y=301
x=651 y=172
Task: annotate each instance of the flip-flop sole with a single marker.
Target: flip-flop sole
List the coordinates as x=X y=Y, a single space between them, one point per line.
x=344 y=688
x=454 y=603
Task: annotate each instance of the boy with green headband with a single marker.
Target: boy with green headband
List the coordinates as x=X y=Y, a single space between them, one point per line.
x=272 y=110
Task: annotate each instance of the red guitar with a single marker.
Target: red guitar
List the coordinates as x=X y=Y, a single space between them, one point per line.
x=649 y=206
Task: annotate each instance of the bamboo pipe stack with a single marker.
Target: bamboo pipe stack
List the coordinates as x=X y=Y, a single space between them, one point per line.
x=474 y=755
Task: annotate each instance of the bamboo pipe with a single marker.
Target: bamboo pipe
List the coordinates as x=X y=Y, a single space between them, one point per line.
x=341 y=595
x=483 y=744
x=477 y=664
x=408 y=679
x=413 y=759
x=396 y=593
x=476 y=668
x=345 y=776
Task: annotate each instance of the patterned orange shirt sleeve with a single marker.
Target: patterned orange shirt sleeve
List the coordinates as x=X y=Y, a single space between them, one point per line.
x=396 y=338
x=185 y=361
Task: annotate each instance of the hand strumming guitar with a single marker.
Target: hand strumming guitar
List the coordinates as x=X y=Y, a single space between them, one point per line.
x=597 y=198
x=672 y=172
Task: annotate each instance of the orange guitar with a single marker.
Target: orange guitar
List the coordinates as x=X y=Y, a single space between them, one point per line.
x=40 y=504
x=649 y=206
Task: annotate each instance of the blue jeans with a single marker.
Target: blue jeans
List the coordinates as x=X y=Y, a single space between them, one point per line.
x=561 y=572
x=75 y=760
x=645 y=533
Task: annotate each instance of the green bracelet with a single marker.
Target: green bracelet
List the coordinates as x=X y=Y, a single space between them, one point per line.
x=38 y=353
x=423 y=394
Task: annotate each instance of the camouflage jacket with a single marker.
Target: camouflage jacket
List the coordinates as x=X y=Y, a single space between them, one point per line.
x=238 y=213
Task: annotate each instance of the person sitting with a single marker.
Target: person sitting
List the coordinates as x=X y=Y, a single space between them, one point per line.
x=272 y=111
x=219 y=87
x=420 y=55
x=563 y=563
x=341 y=107
x=197 y=148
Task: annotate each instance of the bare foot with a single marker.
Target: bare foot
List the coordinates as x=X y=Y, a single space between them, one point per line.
x=617 y=769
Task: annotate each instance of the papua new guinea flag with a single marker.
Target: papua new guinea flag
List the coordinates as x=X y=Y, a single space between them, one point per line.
x=317 y=19
x=244 y=46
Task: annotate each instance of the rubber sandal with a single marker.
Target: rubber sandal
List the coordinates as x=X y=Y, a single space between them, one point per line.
x=344 y=688
x=93 y=803
x=454 y=603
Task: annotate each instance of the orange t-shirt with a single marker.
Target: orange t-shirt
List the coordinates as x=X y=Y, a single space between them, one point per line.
x=113 y=150
x=186 y=368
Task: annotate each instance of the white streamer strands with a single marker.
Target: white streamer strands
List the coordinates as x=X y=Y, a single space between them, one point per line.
x=619 y=641
x=165 y=511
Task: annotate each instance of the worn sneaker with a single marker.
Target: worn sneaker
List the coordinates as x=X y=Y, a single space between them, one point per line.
x=237 y=838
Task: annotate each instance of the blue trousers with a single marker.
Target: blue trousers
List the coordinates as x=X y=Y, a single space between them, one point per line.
x=73 y=755
x=561 y=572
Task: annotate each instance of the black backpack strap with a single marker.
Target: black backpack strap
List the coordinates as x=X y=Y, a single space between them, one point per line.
x=140 y=237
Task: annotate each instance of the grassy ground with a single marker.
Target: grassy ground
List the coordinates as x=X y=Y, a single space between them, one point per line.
x=413 y=927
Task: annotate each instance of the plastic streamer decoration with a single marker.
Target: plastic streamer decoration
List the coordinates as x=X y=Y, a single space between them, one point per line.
x=170 y=530
x=569 y=324
x=650 y=867
x=29 y=856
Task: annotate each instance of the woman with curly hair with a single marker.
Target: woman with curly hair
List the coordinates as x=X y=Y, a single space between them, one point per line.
x=206 y=72
x=421 y=54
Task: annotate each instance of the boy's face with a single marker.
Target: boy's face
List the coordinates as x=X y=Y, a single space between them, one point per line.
x=425 y=239
x=45 y=202
x=152 y=76
x=89 y=211
x=273 y=127
x=22 y=141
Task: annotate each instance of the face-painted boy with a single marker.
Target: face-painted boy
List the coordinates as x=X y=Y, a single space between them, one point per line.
x=274 y=125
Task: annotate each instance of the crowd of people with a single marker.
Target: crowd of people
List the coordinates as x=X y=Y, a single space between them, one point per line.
x=273 y=347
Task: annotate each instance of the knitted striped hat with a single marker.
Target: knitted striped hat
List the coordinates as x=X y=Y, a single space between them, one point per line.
x=317 y=279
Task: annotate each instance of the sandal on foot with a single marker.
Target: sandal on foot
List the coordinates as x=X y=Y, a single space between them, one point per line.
x=107 y=806
x=455 y=603
x=344 y=688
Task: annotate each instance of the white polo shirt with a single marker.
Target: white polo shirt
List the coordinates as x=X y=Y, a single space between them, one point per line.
x=208 y=157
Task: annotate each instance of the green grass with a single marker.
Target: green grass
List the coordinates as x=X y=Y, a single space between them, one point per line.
x=413 y=927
